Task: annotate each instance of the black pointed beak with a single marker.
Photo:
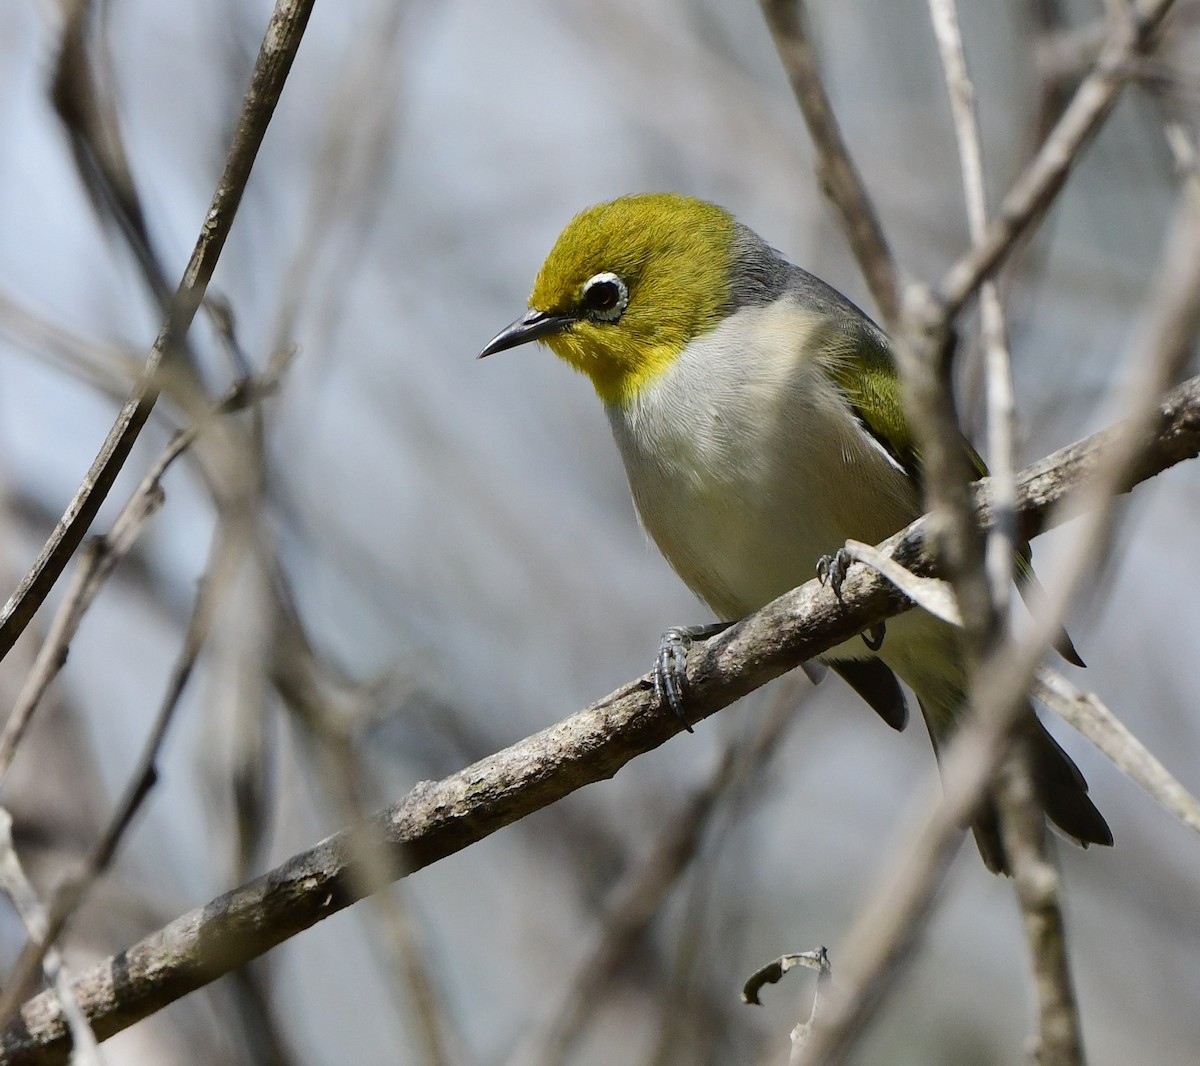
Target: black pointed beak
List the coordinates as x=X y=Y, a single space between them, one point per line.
x=531 y=326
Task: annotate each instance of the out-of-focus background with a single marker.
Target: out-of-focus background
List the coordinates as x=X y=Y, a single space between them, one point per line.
x=463 y=554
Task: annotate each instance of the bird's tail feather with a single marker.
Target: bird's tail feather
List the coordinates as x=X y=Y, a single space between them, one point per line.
x=1058 y=784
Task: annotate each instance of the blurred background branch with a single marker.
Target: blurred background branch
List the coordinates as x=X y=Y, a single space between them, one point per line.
x=408 y=560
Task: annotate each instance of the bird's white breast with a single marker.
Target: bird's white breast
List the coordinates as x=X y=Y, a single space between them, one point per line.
x=746 y=463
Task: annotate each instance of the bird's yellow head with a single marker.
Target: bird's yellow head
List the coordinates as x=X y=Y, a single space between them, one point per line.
x=627 y=285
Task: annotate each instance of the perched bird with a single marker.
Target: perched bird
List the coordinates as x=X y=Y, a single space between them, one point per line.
x=757 y=413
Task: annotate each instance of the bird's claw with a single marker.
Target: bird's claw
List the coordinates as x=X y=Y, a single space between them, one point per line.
x=670 y=672
x=670 y=668
x=831 y=570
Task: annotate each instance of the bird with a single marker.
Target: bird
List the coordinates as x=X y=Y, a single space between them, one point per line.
x=757 y=413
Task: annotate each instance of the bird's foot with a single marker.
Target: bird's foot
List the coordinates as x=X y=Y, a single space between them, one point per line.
x=831 y=570
x=670 y=667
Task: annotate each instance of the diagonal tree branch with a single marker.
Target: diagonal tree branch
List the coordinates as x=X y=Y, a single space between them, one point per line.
x=1129 y=33
x=283 y=36
x=836 y=171
x=440 y=818
x=1022 y=823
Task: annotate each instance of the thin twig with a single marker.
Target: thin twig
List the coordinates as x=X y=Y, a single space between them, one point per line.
x=71 y=892
x=799 y=1033
x=106 y=367
x=440 y=818
x=924 y=351
x=101 y=558
x=930 y=593
x=1001 y=406
x=92 y=572
x=95 y=564
x=1085 y=712
x=1044 y=176
x=279 y=47
x=85 y=1050
x=924 y=348
x=1022 y=821
x=838 y=176
x=1059 y=1041
x=89 y=115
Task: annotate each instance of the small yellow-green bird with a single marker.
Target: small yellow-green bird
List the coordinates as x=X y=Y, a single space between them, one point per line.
x=757 y=412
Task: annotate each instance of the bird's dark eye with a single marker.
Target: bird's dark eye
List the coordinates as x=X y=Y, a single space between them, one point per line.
x=605 y=297
x=602 y=296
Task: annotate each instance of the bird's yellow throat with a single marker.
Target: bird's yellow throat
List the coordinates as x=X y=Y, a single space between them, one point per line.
x=619 y=367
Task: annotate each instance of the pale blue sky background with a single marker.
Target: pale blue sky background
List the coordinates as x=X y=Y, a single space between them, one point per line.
x=463 y=528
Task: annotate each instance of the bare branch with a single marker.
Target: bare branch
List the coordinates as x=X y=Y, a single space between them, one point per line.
x=70 y=894
x=1086 y=713
x=279 y=47
x=1039 y=893
x=1001 y=405
x=836 y=171
x=1044 y=176
x=440 y=818
x=100 y=559
x=801 y=1030
x=84 y=1048
x=106 y=367
x=1022 y=824
x=931 y=593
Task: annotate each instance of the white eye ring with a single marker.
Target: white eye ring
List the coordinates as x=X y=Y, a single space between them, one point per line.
x=605 y=296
